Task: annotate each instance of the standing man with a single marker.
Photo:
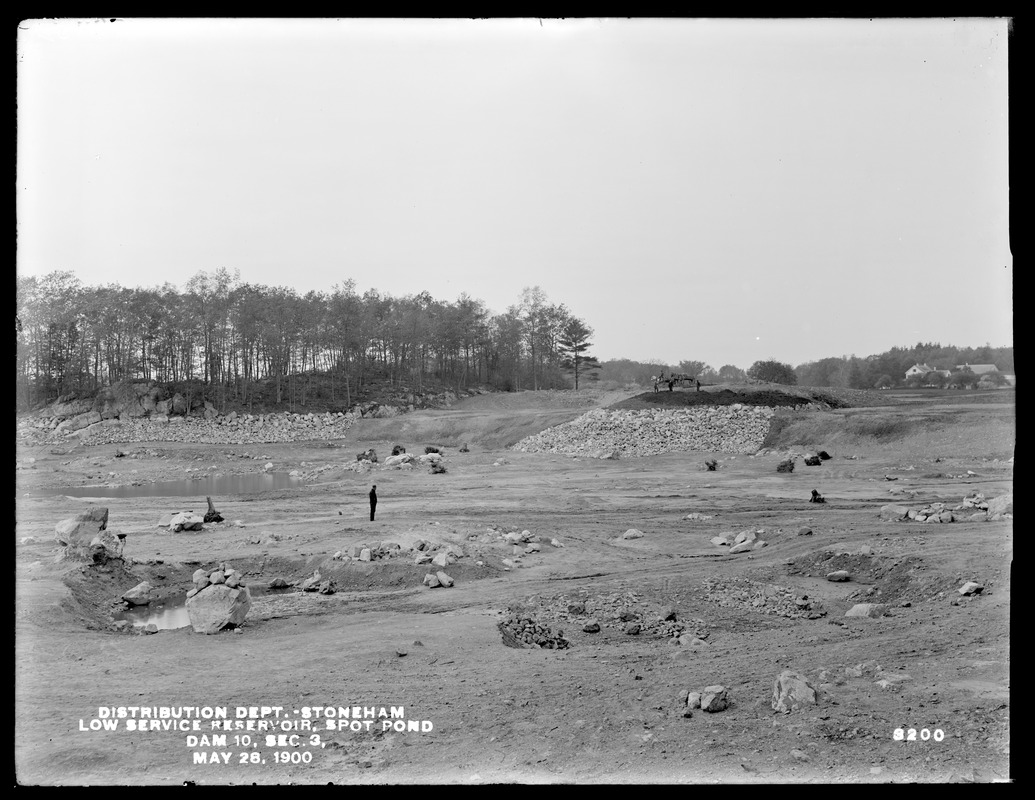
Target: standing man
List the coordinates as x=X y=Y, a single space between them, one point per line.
x=373 y=501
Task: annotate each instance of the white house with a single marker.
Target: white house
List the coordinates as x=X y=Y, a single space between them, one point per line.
x=918 y=369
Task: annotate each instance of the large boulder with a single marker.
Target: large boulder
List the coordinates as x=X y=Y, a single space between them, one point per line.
x=66 y=407
x=872 y=610
x=179 y=404
x=791 y=690
x=893 y=512
x=186 y=521
x=999 y=506
x=139 y=595
x=79 y=422
x=82 y=526
x=217 y=607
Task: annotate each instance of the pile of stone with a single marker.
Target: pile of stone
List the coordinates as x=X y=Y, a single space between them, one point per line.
x=973 y=507
x=86 y=537
x=371 y=552
x=742 y=542
x=520 y=629
x=764 y=598
x=219 y=600
x=601 y=433
x=626 y=612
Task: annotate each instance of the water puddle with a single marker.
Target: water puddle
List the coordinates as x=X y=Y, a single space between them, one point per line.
x=165 y=616
x=172 y=614
x=208 y=486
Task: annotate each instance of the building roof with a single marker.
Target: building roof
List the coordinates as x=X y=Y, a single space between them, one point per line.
x=978 y=369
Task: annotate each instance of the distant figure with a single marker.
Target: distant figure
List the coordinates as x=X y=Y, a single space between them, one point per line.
x=698 y=381
x=655 y=386
x=373 y=501
x=670 y=382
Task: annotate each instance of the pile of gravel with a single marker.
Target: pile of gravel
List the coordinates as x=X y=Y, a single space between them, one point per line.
x=601 y=433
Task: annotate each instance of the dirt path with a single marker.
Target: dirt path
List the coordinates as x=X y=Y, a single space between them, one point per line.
x=610 y=708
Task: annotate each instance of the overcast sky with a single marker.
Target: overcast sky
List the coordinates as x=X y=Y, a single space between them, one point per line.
x=717 y=190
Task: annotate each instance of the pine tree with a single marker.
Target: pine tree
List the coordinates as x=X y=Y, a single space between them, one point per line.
x=573 y=344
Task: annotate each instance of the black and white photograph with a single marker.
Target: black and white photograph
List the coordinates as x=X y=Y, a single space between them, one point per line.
x=513 y=401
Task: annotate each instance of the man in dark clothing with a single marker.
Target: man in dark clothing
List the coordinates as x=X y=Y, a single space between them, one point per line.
x=670 y=382
x=698 y=384
x=373 y=501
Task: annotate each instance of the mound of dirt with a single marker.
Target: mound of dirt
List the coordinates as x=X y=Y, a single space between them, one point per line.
x=772 y=398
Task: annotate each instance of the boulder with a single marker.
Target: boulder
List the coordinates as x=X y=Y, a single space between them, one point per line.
x=1000 y=506
x=743 y=547
x=971 y=587
x=82 y=526
x=632 y=533
x=714 y=698
x=893 y=512
x=186 y=521
x=866 y=610
x=431 y=580
x=839 y=575
x=218 y=607
x=139 y=595
x=791 y=690
x=444 y=579
x=745 y=536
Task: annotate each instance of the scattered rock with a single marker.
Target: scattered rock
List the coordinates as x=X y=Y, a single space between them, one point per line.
x=970 y=587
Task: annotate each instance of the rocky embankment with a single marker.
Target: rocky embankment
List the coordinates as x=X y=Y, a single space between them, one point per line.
x=601 y=433
x=142 y=411
x=229 y=429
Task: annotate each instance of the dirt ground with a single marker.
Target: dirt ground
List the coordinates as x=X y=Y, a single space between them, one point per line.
x=609 y=708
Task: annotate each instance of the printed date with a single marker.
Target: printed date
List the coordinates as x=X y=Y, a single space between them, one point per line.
x=253 y=757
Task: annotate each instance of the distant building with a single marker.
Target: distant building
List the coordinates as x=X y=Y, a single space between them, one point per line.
x=918 y=369
x=978 y=369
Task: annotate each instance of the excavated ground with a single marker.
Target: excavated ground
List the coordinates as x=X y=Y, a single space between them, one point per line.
x=606 y=708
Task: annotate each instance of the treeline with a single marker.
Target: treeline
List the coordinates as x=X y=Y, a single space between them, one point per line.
x=235 y=339
x=885 y=370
